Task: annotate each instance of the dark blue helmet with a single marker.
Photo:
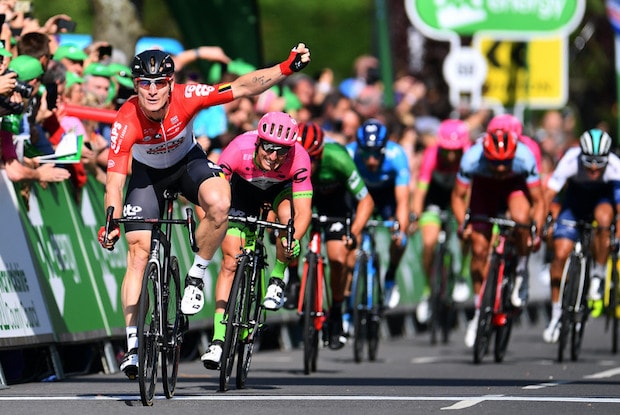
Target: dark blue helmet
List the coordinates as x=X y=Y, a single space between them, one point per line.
x=372 y=135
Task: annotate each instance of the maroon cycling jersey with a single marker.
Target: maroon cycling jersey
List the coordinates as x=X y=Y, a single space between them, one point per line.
x=161 y=144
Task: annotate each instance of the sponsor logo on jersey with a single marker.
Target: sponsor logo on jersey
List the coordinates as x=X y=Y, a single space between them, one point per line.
x=199 y=90
x=116 y=136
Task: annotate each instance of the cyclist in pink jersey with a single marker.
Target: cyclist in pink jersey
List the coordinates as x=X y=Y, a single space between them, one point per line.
x=432 y=195
x=153 y=131
x=264 y=165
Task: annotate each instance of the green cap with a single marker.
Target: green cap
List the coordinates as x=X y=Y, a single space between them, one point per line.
x=98 y=69
x=122 y=74
x=71 y=52
x=27 y=67
x=72 y=78
x=6 y=53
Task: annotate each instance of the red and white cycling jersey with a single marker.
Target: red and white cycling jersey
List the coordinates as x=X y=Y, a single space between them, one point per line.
x=161 y=144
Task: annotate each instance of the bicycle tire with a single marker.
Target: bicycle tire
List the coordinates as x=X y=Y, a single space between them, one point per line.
x=435 y=297
x=175 y=325
x=569 y=297
x=310 y=333
x=148 y=333
x=613 y=304
x=360 y=308
x=374 y=316
x=249 y=330
x=485 y=318
x=447 y=311
x=502 y=332
x=579 y=326
x=232 y=318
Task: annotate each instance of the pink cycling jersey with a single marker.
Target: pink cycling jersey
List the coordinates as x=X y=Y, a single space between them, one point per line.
x=433 y=167
x=238 y=158
x=161 y=144
x=534 y=148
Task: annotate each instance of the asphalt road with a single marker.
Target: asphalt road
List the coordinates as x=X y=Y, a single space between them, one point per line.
x=410 y=376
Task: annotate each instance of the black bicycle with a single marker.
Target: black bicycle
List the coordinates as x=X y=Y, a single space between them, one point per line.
x=244 y=313
x=161 y=324
x=442 y=282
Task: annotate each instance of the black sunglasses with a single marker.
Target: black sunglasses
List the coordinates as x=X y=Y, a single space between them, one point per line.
x=271 y=147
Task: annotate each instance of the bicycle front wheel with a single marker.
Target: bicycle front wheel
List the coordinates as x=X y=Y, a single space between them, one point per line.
x=569 y=298
x=374 y=316
x=485 y=319
x=612 y=313
x=436 y=298
x=249 y=330
x=148 y=333
x=310 y=313
x=232 y=316
x=176 y=323
x=360 y=306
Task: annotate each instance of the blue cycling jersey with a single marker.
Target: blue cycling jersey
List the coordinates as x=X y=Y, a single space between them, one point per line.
x=394 y=171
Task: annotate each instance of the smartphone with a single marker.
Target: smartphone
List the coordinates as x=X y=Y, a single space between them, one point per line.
x=65 y=25
x=23 y=6
x=52 y=95
x=104 y=51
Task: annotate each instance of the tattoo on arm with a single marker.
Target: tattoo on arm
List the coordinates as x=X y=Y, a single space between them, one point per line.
x=261 y=80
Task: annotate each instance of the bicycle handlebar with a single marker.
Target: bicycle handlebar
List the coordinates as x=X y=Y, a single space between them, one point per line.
x=189 y=221
x=254 y=221
x=503 y=223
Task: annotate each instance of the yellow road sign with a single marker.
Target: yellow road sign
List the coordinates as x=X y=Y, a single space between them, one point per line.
x=532 y=73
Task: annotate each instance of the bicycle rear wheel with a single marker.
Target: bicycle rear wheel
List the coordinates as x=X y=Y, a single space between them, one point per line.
x=249 y=330
x=485 y=318
x=148 y=333
x=374 y=316
x=503 y=331
x=360 y=307
x=176 y=324
x=569 y=297
x=310 y=333
x=232 y=316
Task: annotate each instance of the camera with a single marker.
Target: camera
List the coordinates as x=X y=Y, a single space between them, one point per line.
x=24 y=89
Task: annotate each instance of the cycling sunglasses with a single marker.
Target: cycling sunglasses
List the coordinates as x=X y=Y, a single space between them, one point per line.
x=366 y=154
x=499 y=163
x=158 y=82
x=271 y=147
x=594 y=162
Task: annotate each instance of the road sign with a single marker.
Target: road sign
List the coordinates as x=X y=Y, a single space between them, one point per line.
x=441 y=19
x=465 y=70
x=533 y=73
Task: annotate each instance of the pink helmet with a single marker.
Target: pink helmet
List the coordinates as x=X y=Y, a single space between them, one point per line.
x=453 y=135
x=278 y=128
x=506 y=122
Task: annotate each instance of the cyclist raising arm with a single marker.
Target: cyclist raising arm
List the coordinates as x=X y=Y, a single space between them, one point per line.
x=384 y=167
x=502 y=175
x=589 y=177
x=334 y=178
x=154 y=130
x=264 y=165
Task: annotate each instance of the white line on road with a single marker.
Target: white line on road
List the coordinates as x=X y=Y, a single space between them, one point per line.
x=605 y=374
x=476 y=399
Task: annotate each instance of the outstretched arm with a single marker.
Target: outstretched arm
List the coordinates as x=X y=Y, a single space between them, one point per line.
x=260 y=80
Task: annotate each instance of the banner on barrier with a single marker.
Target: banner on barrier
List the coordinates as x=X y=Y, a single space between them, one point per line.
x=23 y=314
